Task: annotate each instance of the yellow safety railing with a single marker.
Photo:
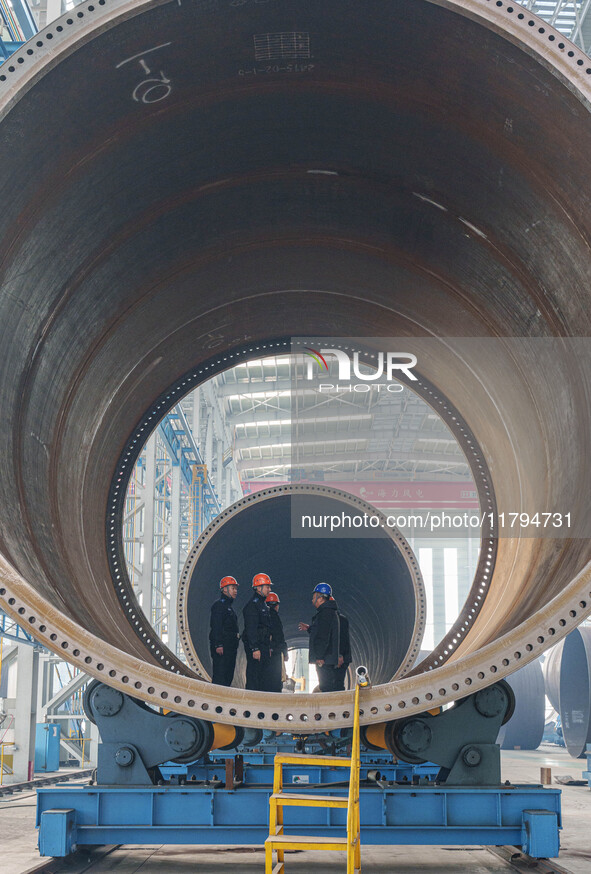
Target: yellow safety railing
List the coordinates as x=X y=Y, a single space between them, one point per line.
x=279 y=842
x=82 y=740
x=3 y=743
x=9 y=770
x=353 y=819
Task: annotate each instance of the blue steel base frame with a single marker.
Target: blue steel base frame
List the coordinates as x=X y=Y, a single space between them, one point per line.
x=76 y=815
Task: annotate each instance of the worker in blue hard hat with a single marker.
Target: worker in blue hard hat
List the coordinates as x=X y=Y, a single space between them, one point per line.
x=324 y=636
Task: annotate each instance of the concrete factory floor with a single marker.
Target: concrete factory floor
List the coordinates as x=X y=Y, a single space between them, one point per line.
x=18 y=838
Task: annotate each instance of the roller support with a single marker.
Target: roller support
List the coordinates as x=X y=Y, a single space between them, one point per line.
x=462 y=739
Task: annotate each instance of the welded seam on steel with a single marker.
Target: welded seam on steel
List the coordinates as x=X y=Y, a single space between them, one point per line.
x=156 y=685
x=397 y=538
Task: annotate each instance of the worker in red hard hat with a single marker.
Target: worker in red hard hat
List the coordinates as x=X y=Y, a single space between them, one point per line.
x=223 y=634
x=278 y=646
x=256 y=636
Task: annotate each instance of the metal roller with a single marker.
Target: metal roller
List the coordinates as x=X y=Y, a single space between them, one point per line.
x=204 y=189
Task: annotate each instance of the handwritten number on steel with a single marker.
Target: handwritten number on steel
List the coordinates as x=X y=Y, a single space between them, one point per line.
x=152 y=90
x=157 y=86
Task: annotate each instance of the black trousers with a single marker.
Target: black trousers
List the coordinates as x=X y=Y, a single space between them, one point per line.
x=257 y=673
x=326 y=678
x=223 y=666
x=339 y=678
x=275 y=683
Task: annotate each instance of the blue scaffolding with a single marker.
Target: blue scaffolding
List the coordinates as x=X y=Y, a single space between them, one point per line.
x=17 y=25
x=183 y=451
x=12 y=631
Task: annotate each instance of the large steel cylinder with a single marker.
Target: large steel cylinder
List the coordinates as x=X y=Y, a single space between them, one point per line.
x=570 y=673
x=375 y=579
x=188 y=185
x=551 y=671
x=525 y=729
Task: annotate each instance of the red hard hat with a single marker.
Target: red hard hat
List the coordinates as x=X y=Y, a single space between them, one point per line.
x=227 y=581
x=272 y=598
x=261 y=580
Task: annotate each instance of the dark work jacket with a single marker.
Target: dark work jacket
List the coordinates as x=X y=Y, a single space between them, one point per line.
x=278 y=644
x=257 y=626
x=345 y=643
x=324 y=634
x=223 y=624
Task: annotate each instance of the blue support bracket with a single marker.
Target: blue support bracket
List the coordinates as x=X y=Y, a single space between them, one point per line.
x=57 y=835
x=539 y=834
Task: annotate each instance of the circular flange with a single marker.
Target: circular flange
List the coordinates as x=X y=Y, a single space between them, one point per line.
x=284 y=346
x=403 y=558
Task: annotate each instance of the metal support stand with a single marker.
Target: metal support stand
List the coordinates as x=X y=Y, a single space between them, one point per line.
x=157 y=738
x=218 y=801
x=25 y=715
x=461 y=740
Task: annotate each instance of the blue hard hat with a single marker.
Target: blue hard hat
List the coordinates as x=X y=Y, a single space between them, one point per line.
x=323 y=589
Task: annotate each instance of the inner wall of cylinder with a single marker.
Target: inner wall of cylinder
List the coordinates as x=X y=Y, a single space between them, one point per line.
x=370 y=579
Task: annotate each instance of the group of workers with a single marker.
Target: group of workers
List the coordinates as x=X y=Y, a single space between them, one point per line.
x=264 y=640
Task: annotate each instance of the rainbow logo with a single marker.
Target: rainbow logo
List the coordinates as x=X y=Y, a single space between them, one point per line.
x=315 y=354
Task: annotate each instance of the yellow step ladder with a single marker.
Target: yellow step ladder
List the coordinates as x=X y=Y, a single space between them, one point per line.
x=278 y=841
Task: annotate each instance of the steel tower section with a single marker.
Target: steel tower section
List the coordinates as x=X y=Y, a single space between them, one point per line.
x=75 y=380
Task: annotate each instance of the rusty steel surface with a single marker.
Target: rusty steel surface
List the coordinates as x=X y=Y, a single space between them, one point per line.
x=183 y=180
